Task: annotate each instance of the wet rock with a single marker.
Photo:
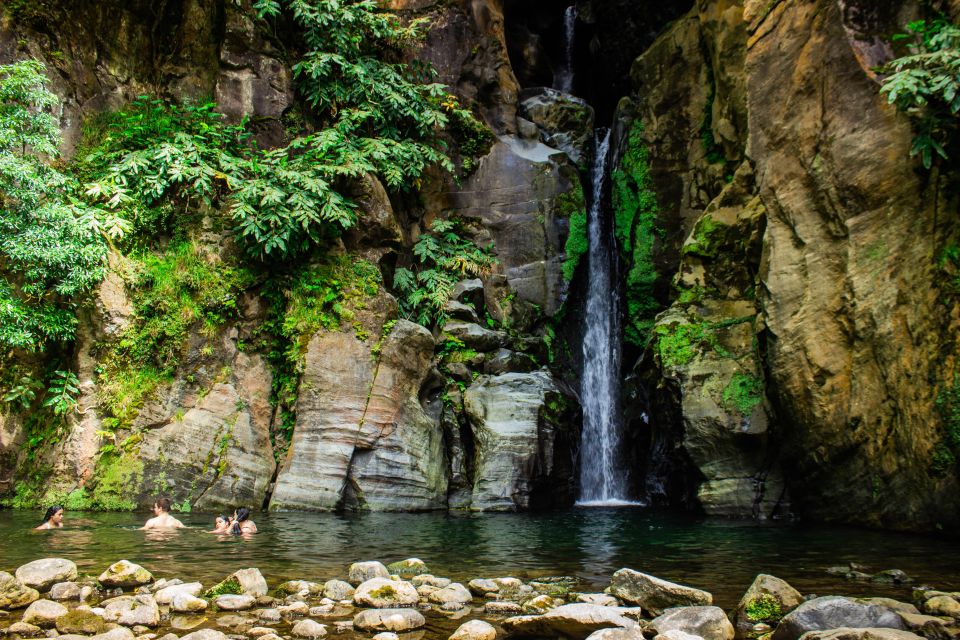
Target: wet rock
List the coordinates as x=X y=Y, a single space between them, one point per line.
x=602 y=599
x=475 y=630
x=501 y=608
x=845 y=633
x=270 y=636
x=383 y=593
x=408 y=568
x=430 y=581
x=302 y=587
x=942 y=606
x=541 y=604
x=308 y=629
x=14 y=594
x=833 y=612
x=459 y=311
x=454 y=592
x=165 y=595
x=397 y=620
x=322 y=610
x=386 y=635
x=256 y=632
x=653 y=594
x=125 y=574
x=42 y=574
x=80 y=621
x=469 y=292
x=676 y=634
x=767 y=600
x=183 y=602
x=252 y=582
x=710 y=623
x=24 y=629
x=474 y=336
x=565 y=121
x=633 y=633
x=65 y=591
x=44 y=613
x=574 y=620
x=132 y=610
x=233 y=602
x=481 y=587
x=294 y=609
x=205 y=634
x=269 y=615
x=338 y=589
x=892 y=576
x=890 y=603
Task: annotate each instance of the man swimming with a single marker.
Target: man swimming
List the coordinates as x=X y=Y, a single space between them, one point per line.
x=162 y=518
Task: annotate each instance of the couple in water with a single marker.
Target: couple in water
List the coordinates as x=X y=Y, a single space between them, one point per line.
x=237 y=524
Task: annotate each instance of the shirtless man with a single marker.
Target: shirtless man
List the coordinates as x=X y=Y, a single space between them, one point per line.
x=162 y=518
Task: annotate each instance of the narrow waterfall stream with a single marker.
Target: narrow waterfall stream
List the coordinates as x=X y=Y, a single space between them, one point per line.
x=603 y=479
x=564 y=79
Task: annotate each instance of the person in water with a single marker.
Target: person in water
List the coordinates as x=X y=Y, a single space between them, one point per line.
x=222 y=524
x=242 y=522
x=53 y=518
x=162 y=518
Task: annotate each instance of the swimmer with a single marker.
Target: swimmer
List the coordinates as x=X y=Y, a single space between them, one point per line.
x=242 y=522
x=221 y=524
x=53 y=519
x=162 y=518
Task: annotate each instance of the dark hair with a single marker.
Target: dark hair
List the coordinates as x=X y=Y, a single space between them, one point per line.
x=242 y=514
x=223 y=517
x=164 y=504
x=52 y=511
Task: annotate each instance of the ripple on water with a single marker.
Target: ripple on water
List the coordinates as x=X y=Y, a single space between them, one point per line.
x=720 y=556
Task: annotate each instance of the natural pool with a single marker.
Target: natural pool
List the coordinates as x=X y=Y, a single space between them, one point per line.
x=717 y=555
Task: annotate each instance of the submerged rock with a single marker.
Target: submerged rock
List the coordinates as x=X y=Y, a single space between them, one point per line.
x=125 y=574
x=397 y=620
x=833 y=612
x=653 y=594
x=709 y=623
x=42 y=574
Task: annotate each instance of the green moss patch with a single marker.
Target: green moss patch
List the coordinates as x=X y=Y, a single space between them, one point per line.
x=229 y=586
x=743 y=393
x=764 y=608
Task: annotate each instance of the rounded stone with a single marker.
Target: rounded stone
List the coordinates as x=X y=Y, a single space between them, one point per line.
x=166 y=594
x=43 y=574
x=397 y=620
x=383 y=593
x=481 y=586
x=338 y=590
x=14 y=594
x=308 y=629
x=454 y=592
x=360 y=572
x=475 y=630
x=408 y=568
x=44 y=613
x=125 y=574
x=183 y=602
x=80 y=621
x=205 y=634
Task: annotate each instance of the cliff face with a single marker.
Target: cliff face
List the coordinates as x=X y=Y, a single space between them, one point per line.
x=813 y=328
x=789 y=317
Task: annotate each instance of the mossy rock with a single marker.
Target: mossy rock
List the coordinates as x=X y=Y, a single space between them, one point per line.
x=408 y=568
x=81 y=622
x=229 y=586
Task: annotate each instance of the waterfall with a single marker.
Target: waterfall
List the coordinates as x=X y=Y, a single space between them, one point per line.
x=564 y=78
x=602 y=475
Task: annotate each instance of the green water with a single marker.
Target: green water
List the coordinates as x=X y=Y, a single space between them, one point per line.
x=720 y=556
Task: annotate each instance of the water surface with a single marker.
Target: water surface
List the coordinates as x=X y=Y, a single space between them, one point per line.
x=717 y=555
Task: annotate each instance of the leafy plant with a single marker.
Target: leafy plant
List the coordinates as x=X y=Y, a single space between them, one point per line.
x=63 y=392
x=23 y=391
x=764 y=608
x=925 y=84
x=445 y=257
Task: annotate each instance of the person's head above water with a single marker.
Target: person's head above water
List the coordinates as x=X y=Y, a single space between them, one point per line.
x=162 y=505
x=54 y=515
x=239 y=516
x=222 y=520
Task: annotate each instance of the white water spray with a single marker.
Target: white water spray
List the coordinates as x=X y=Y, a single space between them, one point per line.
x=564 y=77
x=602 y=476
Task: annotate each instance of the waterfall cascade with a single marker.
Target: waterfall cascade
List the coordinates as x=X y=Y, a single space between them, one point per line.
x=603 y=479
x=564 y=77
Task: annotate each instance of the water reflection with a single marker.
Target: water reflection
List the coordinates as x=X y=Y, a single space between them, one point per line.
x=720 y=556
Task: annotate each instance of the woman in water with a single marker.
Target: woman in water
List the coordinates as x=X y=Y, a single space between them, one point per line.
x=242 y=522
x=221 y=524
x=53 y=519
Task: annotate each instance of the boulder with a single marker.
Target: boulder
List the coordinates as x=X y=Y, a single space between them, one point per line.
x=475 y=630
x=125 y=574
x=165 y=595
x=408 y=568
x=302 y=587
x=338 y=590
x=942 y=606
x=384 y=593
x=767 y=600
x=205 y=634
x=865 y=633
x=42 y=574
x=890 y=603
x=474 y=336
x=541 y=604
x=44 y=613
x=397 y=620
x=427 y=580
x=243 y=582
x=131 y=611
x=571 y=620
x=833 y=612
x=234 y=602
x=183 y=602
x=80 y=621
x=308 y=629
x=24 y=629
x=653 y=594
x=454 y=592
x=294 y=609
x=65 y=591
x=481 y=587
x=363 y=571
x=602 y=599
x=565 y=121
x=14 y=594
x=709 y=623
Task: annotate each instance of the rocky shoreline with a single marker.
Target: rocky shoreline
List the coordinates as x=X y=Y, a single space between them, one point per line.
x=49 y=598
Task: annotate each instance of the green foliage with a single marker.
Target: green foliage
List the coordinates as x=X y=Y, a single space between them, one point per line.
x=925 y=84
x=23 y=391
x=473 y=138
x=947 y=450
x=63 y=391
x=229 y=586
x=679 y=342
x=707 y=236
x=51 y=247
x=444 y=258
x=635 y=227
x=577 y=244
x=743 y=393
x=117 y=476
x=764 y=608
